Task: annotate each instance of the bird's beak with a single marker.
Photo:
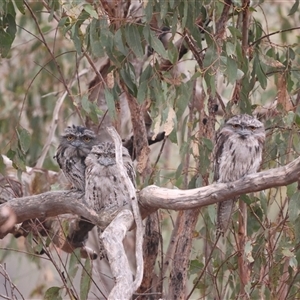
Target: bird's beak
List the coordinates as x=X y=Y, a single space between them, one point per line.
x=76 y=143
x=244 y=133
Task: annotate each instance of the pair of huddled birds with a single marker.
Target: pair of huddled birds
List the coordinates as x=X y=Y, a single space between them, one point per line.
x=90 y=165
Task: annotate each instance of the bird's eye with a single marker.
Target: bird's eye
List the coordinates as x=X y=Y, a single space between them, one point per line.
x=252 y=128
x=70 y=138
x=235 y=126
x=86 y=139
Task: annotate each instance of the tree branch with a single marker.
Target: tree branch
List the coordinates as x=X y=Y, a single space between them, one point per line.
x=52 y=204
x=155 y=197
x=151 y=198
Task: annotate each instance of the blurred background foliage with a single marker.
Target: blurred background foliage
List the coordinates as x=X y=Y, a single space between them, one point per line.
x=191 y=64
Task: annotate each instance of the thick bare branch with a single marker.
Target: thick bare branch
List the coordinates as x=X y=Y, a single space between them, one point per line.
x=152 y=197
x=155 y=197
x=134 y=206
x=52 y=204
x=112 y=237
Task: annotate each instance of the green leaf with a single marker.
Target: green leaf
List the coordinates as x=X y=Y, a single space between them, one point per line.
x=173 y=136
x=208 y=143
x=120 y=43
x=20 y=5
x=142 y=92
x=75 y=38
x=148 y=10
x=296 y=142
x=95 y=111
x=134 y=40
x=6 y=41
x=181 y=105
x=172 y=53
x=82 y=17
x=163 y=8
x=294 y=8
x=110 y=101
x=90 y=10
x=291 y=189
x=230 y=49
x=74 y=263
x=211 y=57
x=85 y=103
x=261 y=76
x=294 y=206
x=263 y=202
x=53 y=293
x=178 y=172
x=24 y=139
x=287 y=252
x=147 y=73
x=128 y=81
x=19 y=161
x=185 y=13
x=246 y=199
x=96 y=45
x=2 y=166
x=154 y=42
x=231 y=71
x=184 y=94
x=195 y=266
x=86 y=280
x=10 y=22
x=293 y=263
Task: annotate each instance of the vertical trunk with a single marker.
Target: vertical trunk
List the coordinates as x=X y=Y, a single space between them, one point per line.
x=244 y=268
x=150 y=249
x=178 y=278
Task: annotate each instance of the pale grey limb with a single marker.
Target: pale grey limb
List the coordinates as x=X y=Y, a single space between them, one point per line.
x=135 y=209
x=112 y=238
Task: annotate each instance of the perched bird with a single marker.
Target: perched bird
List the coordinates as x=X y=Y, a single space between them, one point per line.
x=237 y=152
x=104 y=185
x=75 y=144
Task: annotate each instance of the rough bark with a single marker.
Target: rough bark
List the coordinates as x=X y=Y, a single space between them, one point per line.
x=152 y=197
x=178 y=277
x=55 y=203
x=150 y=250
x=112 y=238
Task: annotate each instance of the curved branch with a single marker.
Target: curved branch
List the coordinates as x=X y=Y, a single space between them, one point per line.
x=151 y=198
x=52 y=204
x=155 y=197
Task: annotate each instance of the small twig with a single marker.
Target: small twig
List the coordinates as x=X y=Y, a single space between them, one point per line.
x=204 y=268
x=12 y=285
x=272 y=33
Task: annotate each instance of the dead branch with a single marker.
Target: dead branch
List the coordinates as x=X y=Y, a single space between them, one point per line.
x=135 y=210
x=155 y=197
x=52 y=204
x=151 y=198
x=112 y=238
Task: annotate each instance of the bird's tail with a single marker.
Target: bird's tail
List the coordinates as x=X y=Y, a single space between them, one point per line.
x=224 y=213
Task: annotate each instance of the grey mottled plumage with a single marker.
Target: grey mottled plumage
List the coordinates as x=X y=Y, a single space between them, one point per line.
x=75 y=144
x=238 y=152
x=104 y=185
